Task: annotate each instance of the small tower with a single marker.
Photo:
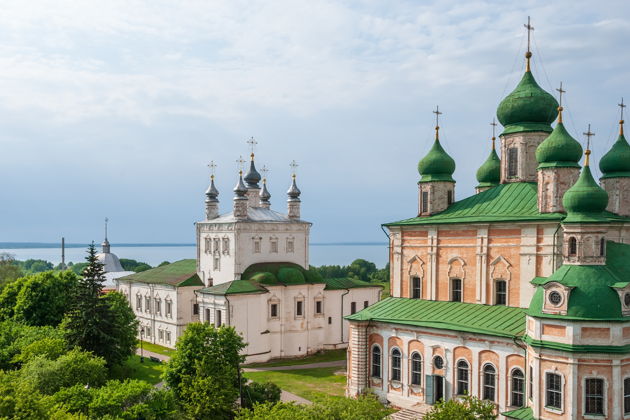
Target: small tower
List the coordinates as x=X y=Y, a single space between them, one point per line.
x=615 y=167
x=436 y=188
x=252 y=178
x=212 y=194
x=526 y=115
x=105 y=244
x=293 y=200
x=558 y=168
x=265 y=195
x=489 y=173
x=240 y=199
x=584 y=228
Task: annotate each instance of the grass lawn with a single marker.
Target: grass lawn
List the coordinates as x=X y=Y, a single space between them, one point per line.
x=156 y=348
x=307 y=383
x=324 y=356
x=148 y=371
x=386 y=290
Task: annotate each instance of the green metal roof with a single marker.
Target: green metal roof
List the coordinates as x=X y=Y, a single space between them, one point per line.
x=524 y=413
x=585 y=201
x=501 y=321
x=235 y=287
x=346 y=283
x=437 y=165
x=559 y=149
x=593 y=296
x=616 y=163
x=180 y=273
x=516 y=201
x=489 y=173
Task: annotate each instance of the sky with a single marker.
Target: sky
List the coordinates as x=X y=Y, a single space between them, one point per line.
x=114 y=109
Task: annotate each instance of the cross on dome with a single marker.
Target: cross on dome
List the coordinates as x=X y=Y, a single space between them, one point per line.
x=212 y=167
x=240 y=162
x=588 y=135
x=529 y=28
x=437 y=120
x=494 y=126
x=265 y=171
x=106 y=220
x=252 y=144
x=293 y=166
x=560 y=108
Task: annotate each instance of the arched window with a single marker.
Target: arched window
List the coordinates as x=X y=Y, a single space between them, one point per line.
x=602 y=247
x=416 y=287
x=456 y=290
x=416 y=369
x=396 y=361
x=553 y=390
x=500 y=292
x=489 y=382
x=572 y=246
x=376 y=361
x=463 y=381
x=518 y=388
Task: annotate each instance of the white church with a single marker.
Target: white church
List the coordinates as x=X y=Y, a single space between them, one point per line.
x=251 y=272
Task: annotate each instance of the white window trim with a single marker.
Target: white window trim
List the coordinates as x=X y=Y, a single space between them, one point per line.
x=417 y=388
x=295 y=305
x=562 y=392
x=273 y=301
x=508 y=403
x=376 y=378
x=482 y=382
x=456 y=377
x=450 y=289
x=605 y=397
x=315 y=300
x=393 y=383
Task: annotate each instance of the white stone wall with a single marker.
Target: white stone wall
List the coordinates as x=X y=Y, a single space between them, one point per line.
x=526 y=144
x=618 y=190
x=438 y=196
x=552 y=184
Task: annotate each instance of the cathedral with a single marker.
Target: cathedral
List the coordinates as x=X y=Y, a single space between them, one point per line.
x=251 y=272
x=518 y=294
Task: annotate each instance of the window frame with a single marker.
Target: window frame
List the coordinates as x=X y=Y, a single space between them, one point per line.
x=353 y=308
x=558 y=393
x=218 y=318
x=503 y=293
x=299 y=308
x=512 y=162
x=626 y=396
x=424 y=201
x=601 y=397
x=513 y=391
x=462 y=384
x=486 y=387
x=273 y=307
x=460 y=290
x=415 y=369
x=395 y=374
x=416 y=287
x=572 y=247
x=373 y=361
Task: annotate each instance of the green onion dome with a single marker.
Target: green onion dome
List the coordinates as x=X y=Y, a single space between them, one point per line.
x=616 y=163
x=559 y=149
x=527 y=108
x=437 y=165
x=585 y=201
x=489 y=174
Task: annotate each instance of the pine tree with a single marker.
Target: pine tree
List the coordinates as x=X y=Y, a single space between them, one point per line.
x=90 y=322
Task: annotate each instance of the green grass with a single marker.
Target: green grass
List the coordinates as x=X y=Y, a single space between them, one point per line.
x=323 y=356
x=386 y=290
x=311 y=384
x=147 y=371
x=156 y=348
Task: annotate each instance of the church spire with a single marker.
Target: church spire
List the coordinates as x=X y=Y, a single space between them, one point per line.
x=264 y=193
x=293 y=201
x=240 y=194
x=105 y=244
x=615 y=167
x=212 y=194
x=528 y=54
x=489 y=173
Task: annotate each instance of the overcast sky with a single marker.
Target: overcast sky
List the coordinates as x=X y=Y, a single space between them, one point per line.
x=115 y=109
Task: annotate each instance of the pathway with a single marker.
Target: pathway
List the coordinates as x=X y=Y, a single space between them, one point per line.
x=148 y=353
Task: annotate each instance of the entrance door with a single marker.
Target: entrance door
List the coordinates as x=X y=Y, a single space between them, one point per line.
x=438 y=386
x=434 y=389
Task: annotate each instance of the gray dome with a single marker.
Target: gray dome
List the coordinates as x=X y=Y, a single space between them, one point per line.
x=110 y=261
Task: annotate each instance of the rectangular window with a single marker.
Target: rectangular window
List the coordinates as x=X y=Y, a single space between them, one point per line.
x=626 y=396
x=366 y=304
x=217 y=319
x=158 y=306
x=594 y=396
x=216 y=245
x=195 y=309
x=256 y=246
x=139 y=303
x=500 y=292
x=147 y=304
x=290 y=246
x=274 y=246
x=226 y=246
x=168 y=337
x=416 y=287
x=456 y=290
x=207 y=315
x=217 y=263
x=553 y=394
x=329 y=320
x=462 y=378
x=449 y=197
x=273 y=310
x=169 y=308
x=299 y=308
x=512 y=169
x=424 y=202
x=318 y=306
x=353 y=308
x=148 y=332
x=531 y=382
x=161 y=335
x=208 y=245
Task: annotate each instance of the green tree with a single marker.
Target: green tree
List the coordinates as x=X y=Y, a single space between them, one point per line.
x=9 y=269
x=124 y=326
x=44 y=298
x=204 y=372
x=19 y=400
x=258 y=393
x=75 y=367
x=32 y=266
x=50 y=348
x=133 y=265
x=361 y=269
x=77 y=268
x=366 y=407
x=380 y=276
x=163 y=263
x=468 y=408
x=8 y=299
x=90 y=323
x=16 y=337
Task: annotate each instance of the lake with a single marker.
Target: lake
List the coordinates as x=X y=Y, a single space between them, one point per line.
x=320 y=254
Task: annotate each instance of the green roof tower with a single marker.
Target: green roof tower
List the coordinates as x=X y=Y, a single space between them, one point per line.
x=436 y=188
x=615 y=167
x=489 y=173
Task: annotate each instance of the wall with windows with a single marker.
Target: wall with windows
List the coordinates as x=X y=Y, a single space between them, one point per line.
x=225 y=250
x=162 y=310
x=489 y=264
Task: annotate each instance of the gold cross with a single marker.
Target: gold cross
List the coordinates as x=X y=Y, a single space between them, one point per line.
x=529 y=28
x=588 y=135
x=494 y=126
x=561 y=92
x=240 y=163
x=212 y=167
x=622 y=106
x=293 y=166
x=265 y=171
x=252 y=143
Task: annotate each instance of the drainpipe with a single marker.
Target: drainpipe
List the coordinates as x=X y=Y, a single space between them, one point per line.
x=553 y=252
x=227 y=312
x=341 y=318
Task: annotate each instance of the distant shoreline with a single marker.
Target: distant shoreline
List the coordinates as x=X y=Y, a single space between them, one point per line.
x=33 y=245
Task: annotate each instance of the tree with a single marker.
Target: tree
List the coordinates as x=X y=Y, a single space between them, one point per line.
x=381 y=276
x=32 y=266
x=259 y=393
x=16 y=337
x=361 y=269
x=204 y=372
x=44 y=298
x=124 y=326
x=90 y=323
x=468 y=408
x=9 y=269
x=366 y=407
x=133 y=265
x=163 y=263
x=75 y=367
